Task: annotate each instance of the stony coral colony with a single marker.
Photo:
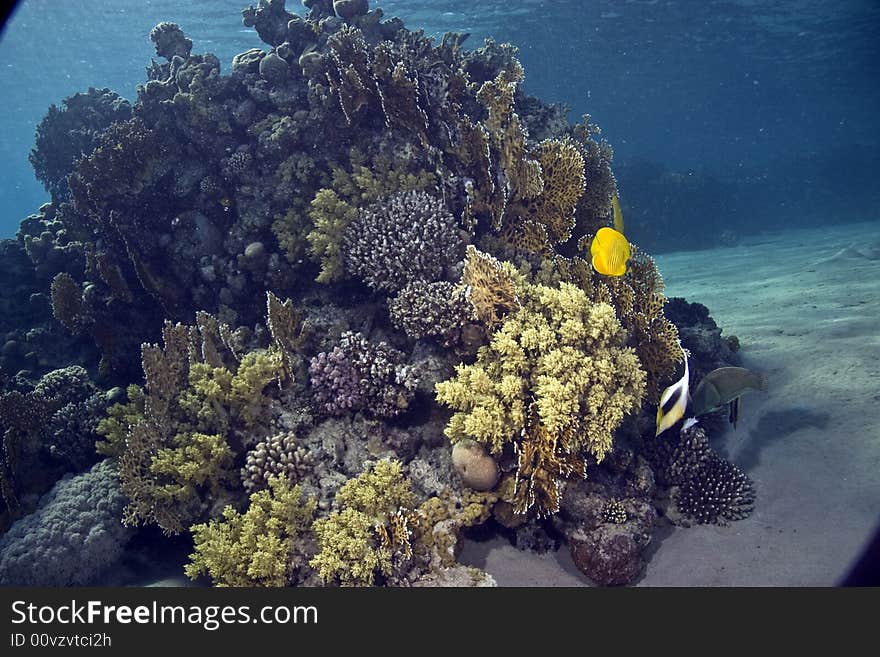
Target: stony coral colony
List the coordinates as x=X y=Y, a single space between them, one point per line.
x=356 y=242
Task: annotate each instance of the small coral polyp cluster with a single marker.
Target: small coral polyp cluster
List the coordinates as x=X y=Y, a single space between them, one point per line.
x=358 y=240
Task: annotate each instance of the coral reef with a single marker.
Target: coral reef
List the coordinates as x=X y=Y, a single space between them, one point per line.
x=415 y=223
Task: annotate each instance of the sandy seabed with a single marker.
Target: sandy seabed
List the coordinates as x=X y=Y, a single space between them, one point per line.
x=805 y=305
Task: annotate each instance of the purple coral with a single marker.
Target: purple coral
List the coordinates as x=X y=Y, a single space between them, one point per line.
x=438 y=310
x=410 y=236
x=359 y=375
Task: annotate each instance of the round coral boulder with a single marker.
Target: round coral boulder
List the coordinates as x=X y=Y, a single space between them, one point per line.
x=609 y=555
x=476 y=468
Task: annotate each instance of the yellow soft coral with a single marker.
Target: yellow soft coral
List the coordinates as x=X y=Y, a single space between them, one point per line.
x=330 y=216
x=258 y=547
x=555 y=382
x=369 y=534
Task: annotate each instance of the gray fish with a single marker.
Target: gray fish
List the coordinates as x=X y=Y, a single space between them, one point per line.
x=725 y=386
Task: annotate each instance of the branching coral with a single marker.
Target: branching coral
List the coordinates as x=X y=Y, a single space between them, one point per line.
x=69 y=434
x=705 y=487
x=331 y=217
x=360 y=375
x=437 y=310
x=262 y=546
x=162 y=437
x=554 y=382
x=46 y=432
x=67 y=305
x=403 y=238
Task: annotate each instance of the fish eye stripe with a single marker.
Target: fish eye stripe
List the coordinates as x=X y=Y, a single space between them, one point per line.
x=670 y=403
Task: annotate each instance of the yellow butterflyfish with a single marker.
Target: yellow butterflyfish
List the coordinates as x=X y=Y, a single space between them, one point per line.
x=610 y=252
x=618 y=215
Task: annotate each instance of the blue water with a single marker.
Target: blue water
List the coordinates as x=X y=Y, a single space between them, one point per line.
x=778 y=98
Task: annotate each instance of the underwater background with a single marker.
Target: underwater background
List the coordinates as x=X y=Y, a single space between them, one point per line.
x=763 y=113
x=332 y=298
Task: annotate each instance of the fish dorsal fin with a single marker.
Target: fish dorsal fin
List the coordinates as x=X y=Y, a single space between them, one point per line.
x=617 y=213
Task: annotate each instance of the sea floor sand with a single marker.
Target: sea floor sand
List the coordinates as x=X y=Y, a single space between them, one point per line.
x=805 y=305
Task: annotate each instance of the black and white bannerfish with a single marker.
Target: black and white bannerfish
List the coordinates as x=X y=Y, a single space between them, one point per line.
x=674 y=400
